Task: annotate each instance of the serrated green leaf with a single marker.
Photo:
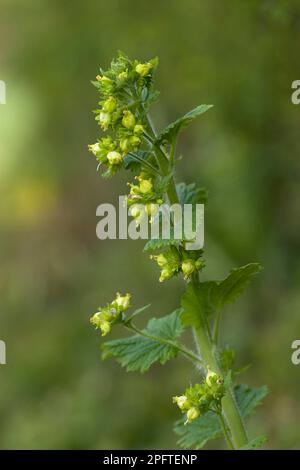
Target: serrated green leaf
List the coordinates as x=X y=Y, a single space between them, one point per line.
x=241 y=370
x=249 y=398
x=196 y=434
x=255 y=443
x=171 y=131
x=198 y=304
x=207 y=427
x=236 y=282
x=211 y=296
x=159 y=244
x=190 y=194
x=138 y=353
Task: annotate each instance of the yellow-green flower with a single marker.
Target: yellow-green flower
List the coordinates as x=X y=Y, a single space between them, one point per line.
x=110 y=105
x=95 y=149
x=114 y=157
x=138 y=129
x=146 y=186
x=161 y=260
x=105 y=327
x=143 y=69
x=192 y=414
x=166 y=273
x=211 y=377
x=100 y=321
x=188 y=267
x=128 y=120
x=182 y=402
x=135 y=141
x=125 y=145
x=104 y=120
x=123 y=302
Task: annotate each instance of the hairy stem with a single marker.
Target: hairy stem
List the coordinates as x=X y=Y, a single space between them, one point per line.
x=217 y=327
x=225 y=432
x=205 y=342
x=229 y=405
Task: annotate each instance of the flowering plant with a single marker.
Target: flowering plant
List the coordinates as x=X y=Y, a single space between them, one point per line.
x=215 y=406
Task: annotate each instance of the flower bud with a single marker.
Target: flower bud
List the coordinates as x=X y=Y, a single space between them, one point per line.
x=188 y=267
x=123 y=302
x=104 y=120
x=138 y=129
x=143 y=69
x=161 y=260
x=146 y=186
x=166 y=274
x=125 y=145
x=135 y=141
x=95 y=149
x=110 y=105
x=128 y=120
x=211 y=377
x=95 y=319
x=192 y=414
x=108 y=143
x=114 y=158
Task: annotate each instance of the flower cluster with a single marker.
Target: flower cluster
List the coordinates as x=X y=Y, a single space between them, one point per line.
x=200 y=398
x=174 y=261
x=124 y=89
x=143 y=199
x=107 y=316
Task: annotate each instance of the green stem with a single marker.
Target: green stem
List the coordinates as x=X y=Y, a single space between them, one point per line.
x=225 y=431
x=208 y=354
x=217 y=327
x=144 y=163
x=172 y=152
x=205 y=342
x=229 y=405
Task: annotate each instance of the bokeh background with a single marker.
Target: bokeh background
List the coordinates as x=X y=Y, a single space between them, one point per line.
x=242 y=57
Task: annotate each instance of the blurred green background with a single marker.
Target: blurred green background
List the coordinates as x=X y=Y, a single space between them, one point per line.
x=242 y=57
